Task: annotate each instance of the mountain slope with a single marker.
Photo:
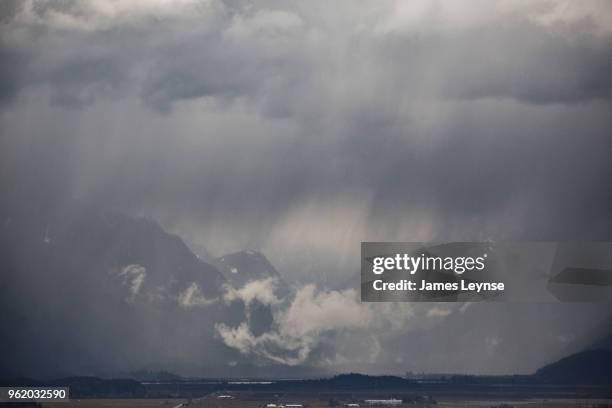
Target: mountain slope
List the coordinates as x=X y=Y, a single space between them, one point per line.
x=95 y=293
x=586 y=367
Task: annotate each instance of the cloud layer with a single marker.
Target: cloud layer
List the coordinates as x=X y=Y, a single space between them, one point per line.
x=318 y=327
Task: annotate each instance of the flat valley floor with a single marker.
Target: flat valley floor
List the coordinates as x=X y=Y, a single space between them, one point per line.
x=257 y=400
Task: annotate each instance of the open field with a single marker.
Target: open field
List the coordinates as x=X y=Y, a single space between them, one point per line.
x=325 y=400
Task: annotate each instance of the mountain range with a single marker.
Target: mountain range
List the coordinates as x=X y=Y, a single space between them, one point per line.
x=91 y=292
x=94 y=292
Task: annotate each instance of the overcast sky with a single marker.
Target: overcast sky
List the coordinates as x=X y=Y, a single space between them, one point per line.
x=302 y=128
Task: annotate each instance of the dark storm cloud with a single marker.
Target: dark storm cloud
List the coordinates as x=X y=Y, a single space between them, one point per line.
x=301 y=129
x=383 y=121
x=79 y=82
x=270 y=55
x=533 y=66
